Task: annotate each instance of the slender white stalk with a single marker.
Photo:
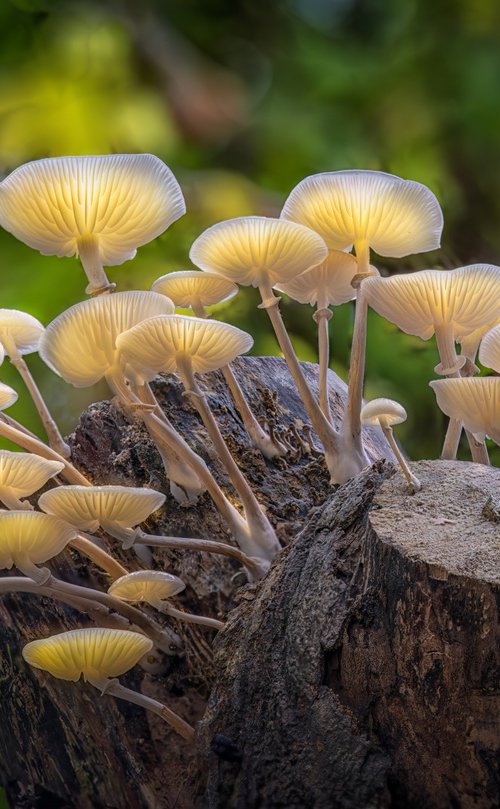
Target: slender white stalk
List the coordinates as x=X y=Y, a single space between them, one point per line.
x=322 y=317
x=101 y=558
x=414 y=482
x=88 y=252
x=189 y=618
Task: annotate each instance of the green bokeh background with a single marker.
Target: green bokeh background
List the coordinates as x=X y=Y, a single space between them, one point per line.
x=242 y=99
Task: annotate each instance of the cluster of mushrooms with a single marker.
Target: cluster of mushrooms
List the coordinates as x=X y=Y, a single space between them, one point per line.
x=102 y=209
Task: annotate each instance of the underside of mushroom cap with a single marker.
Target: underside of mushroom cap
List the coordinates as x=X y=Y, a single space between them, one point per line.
x=97 y=653
x=21 y=329
x=385 y=411
x=8 y=396
x=123 y=201
x=88 y=507
x=489 y=351
x=192 y=286
x=151 y=586
x=24 y=473
x=474 y=401
x=248 y=248
x=328 y=284
x=31 y=535
x=395 y=217
x=155 y=345
x=80 y=344
x=462 y=300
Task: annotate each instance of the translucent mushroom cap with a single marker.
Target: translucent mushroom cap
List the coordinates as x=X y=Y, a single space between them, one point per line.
x=32 y=536
x=249 y=249
x=121 y=201
x=383 y=412
x=98 y=654
x=151 y=586
x=88 y=507
x=23 y=473
x=461 y=300
x=328 y=284
x=8 y=396
x=489 y=351
x=190 y=287
x=395 y=217
x=475 y=401
x=80 y=344
x=19 y=331
x=156 y=345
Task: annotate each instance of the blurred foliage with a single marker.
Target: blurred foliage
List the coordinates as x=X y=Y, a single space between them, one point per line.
x=242 y=99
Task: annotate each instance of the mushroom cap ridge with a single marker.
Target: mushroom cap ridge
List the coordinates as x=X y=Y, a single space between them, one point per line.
x=151 y=586
x=33 y=535
x=186 y=286
x=475 y=401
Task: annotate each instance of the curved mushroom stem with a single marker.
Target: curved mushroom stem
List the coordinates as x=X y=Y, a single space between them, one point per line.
x=12 y=502
x=37 y=447
x=102 y=559
x=478 y=450
x=188 y=617
x=326 y=433
x=40 y=575
x=322 y=317
x=116 y=689
x=414 y=482
x=18 y=426
x=88 y=253
x=263 y=538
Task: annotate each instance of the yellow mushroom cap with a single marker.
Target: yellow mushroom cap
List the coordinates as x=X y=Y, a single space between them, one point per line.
x=88 y=507
x=155 y=345
x=122 y=201
x=151 y=586
x=328 y=284
x=489 y=352
x=395 y=217
x=475 y=401
x=8 y=396
x=80 y=344
x=23 y=473
x=192 y=286
x=31 y=535
x=98 y=654
x=250 y=248
x=463 y=299
x=384 y=412
x=19 y=330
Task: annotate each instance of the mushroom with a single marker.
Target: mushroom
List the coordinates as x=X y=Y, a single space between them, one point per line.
x=20 y=334
x=155 y=587
x=21 y=474
x=370 y=210
x=489 y=351
x=100 y=655
x=475 y=401
x=196 y=290
x=328 y=284
x=101 y=208
x=385 y=413
x=451 y=304
x=189 y=346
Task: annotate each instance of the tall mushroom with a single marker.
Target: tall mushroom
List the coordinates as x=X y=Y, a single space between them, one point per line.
x=101 y=208
x=473 y=401
x=21 y=474
x=191 y=289
x=372 y=211
x=100 y=655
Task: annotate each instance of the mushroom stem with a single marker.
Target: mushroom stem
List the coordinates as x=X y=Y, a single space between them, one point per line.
x=327 y=434
x=37 y=447
x=18 y=426
x=12 y=502
x=101 y=558
x=189 y=618
x=414 y=482
x=322 y=317
x=263 y=538
x=88 y=253
x=451 y=440
x=116 y=689
x=478 y=450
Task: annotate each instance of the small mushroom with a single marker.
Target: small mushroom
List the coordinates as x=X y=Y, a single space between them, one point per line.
x=29 y=538
x=489 y=351
x=101 y=208
x=100 y=655
x=385 y=413
x=155 y=587
x=475 y=401
x=21 y=474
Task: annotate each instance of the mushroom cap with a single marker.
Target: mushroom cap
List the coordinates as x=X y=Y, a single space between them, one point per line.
x=475 y=401
x=80 y=344
x=24 y=473
x=96 y=653
x=151 y=586
x=383 y=411
x=329 y=283
x=489 y=351
x=463 y=299
x=88 y=507
x=155 y=345
x=31 y=535
x=122 y=200
x=395 y=217
x=20 y=329
x=189 y=286
x=250 y=248
x=8 y=396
